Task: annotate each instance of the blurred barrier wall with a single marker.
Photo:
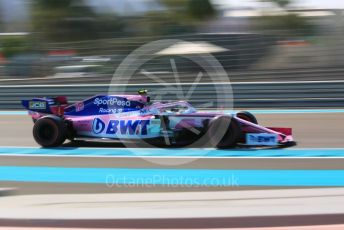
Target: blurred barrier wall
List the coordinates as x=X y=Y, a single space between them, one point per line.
x=277 y=50
x=277 y=58
x=246 y=95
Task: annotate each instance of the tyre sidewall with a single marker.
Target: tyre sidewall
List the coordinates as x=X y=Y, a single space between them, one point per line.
x=247 y=116
x=56 y=125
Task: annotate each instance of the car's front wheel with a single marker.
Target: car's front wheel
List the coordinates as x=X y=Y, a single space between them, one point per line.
x=247 y=116
x=224 y=132
x=49 y=131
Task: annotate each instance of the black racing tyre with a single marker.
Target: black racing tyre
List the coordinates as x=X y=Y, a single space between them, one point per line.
x=247 y=116
x=224 y=132
x=49 y=131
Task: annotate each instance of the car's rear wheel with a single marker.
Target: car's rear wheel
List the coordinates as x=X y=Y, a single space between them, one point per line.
x=247 y=116
x=49 y=131
x=224 y=132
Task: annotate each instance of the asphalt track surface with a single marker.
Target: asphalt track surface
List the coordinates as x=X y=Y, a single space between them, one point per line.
x=317 y=130
x=310 y=130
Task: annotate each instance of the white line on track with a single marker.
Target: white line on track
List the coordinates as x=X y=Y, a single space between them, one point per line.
x=94 y=148
x=50 y=77
x=173 y=83
x=165 y=157
x=170 y=156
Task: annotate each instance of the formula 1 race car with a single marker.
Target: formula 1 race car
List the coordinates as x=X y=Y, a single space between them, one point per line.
x=134 y=119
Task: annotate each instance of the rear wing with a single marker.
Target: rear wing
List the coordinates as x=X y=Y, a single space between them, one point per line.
x=45 y=105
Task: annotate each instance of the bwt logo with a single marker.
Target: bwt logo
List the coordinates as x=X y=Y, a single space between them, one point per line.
x=124 y=127
x=98 y=126
x=262 y=139
x=111 y=101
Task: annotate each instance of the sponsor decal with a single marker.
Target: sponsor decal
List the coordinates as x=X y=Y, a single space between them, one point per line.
x=79 y=106
x=110 y=110
x=155 y=126
x=98 y=126
x=111 y=101
x=37 y=105
x=121 y=127
x=261 y=139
